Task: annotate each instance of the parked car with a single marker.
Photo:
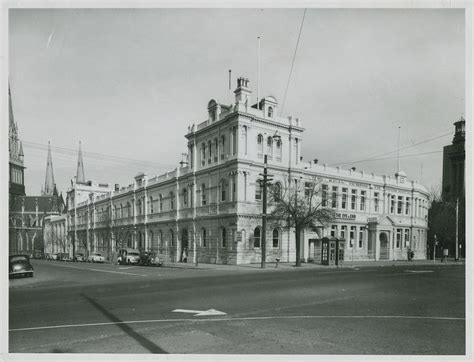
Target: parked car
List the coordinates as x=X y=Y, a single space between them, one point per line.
x=65 y=257
x=55 y=256
x=96 y=258
x=150 y=259
x=128 y=256
x=79 y=257
x=19 y=265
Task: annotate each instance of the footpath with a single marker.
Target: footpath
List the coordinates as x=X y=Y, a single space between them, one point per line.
x=291 y=266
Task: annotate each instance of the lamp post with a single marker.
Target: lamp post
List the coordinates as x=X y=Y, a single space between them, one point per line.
x=266 y=180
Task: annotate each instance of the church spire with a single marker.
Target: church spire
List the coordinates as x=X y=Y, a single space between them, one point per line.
x=49 y=181
x=80 y=167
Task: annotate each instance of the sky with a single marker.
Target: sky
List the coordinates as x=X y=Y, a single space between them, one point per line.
x=127 y=83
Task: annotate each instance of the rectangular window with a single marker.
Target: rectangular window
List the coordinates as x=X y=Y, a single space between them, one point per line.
x=361 y=236
x=334 y=197
x=407 y=238
x=203 y=195
x=392 y=204
x=407 y=205
x=376 y=201
x=344 y=198
x=234 y=190
x=400 y=205
x=362 y=200
x=353 y=199
x=333 y=231
x=324 y=200
x=352 y=234
x=399 y=238
x=343 y=232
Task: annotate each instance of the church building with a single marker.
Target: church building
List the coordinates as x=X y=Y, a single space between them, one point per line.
x=27 y=213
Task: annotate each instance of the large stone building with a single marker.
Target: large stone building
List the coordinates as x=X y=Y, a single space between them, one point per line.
x=211 y=205
x=454 y=156
x=27 y=213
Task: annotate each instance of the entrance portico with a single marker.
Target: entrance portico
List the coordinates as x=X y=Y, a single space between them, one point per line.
x=380 y=240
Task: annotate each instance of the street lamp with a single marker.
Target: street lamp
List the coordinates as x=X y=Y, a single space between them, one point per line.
x=266 y=180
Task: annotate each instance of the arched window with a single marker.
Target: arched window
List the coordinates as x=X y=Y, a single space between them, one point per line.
x=278 y=150
x=209 y=147
x=139 y=207
x=171 y=200
x=234 y=140
x=223 y=188
x=270 y=112
x=203 y=238
x=151 y=208
x=203 y=154
x=276 y=192
x=224 y=238
x=161 y=202
x=203 y=195
x=259 y=145
x=171 y=238
x=185 y=197
x=258 y=190
x=128 y=210
x=222 y=147
x=276 y=238
x=256 y=237
x=151 y=241
x=270 y=147
x=216 y=149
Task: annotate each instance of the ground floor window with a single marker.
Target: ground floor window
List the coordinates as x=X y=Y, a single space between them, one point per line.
x=352 y=235
x=399 y=238
x=256 y=237
x=276 y=238
x=361 y=237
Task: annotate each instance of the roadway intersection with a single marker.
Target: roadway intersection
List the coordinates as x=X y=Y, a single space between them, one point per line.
x=97 y=308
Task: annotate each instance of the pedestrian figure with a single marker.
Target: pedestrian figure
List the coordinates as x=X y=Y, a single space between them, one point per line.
x=185 y=255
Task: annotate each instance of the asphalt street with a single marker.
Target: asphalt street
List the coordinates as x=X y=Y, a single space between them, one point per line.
x=104 y=308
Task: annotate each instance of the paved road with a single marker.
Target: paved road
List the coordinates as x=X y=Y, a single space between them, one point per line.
x=71 y=307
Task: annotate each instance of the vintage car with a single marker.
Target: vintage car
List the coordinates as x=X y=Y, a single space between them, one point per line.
x=79 y=257
x=150 y=259
x=128 y=256
x=19 y=265
x=96 y=258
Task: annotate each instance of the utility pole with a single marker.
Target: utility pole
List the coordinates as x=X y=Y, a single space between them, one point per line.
x=264 y=212
x=457 y=229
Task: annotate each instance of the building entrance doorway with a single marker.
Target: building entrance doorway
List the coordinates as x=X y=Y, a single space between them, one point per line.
x=384 y=249
x=184 y=246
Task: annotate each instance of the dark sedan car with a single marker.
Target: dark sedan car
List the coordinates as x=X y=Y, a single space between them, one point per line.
x=150 y=259
x=19 y=265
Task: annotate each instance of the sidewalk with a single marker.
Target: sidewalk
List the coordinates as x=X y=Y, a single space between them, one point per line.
x=287 y=266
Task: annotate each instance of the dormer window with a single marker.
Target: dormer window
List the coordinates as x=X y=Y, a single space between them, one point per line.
x=270 y=112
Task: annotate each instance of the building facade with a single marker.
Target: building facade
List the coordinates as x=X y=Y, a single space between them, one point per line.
x=211 y=204
x=27 y=213
x=454 y=156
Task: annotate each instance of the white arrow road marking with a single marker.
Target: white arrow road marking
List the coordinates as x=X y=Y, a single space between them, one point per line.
x=198 y=313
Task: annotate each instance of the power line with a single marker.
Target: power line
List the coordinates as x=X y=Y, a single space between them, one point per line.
x=95 y=155
x=292 y=63
x=393 y=157
x=389 y=152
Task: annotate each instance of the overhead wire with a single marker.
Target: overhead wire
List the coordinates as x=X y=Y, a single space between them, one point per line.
x=293 y=62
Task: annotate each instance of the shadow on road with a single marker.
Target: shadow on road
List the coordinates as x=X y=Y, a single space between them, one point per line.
x=149 y=345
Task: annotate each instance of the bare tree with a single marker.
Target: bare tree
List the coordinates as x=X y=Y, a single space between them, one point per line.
x=300 y=206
